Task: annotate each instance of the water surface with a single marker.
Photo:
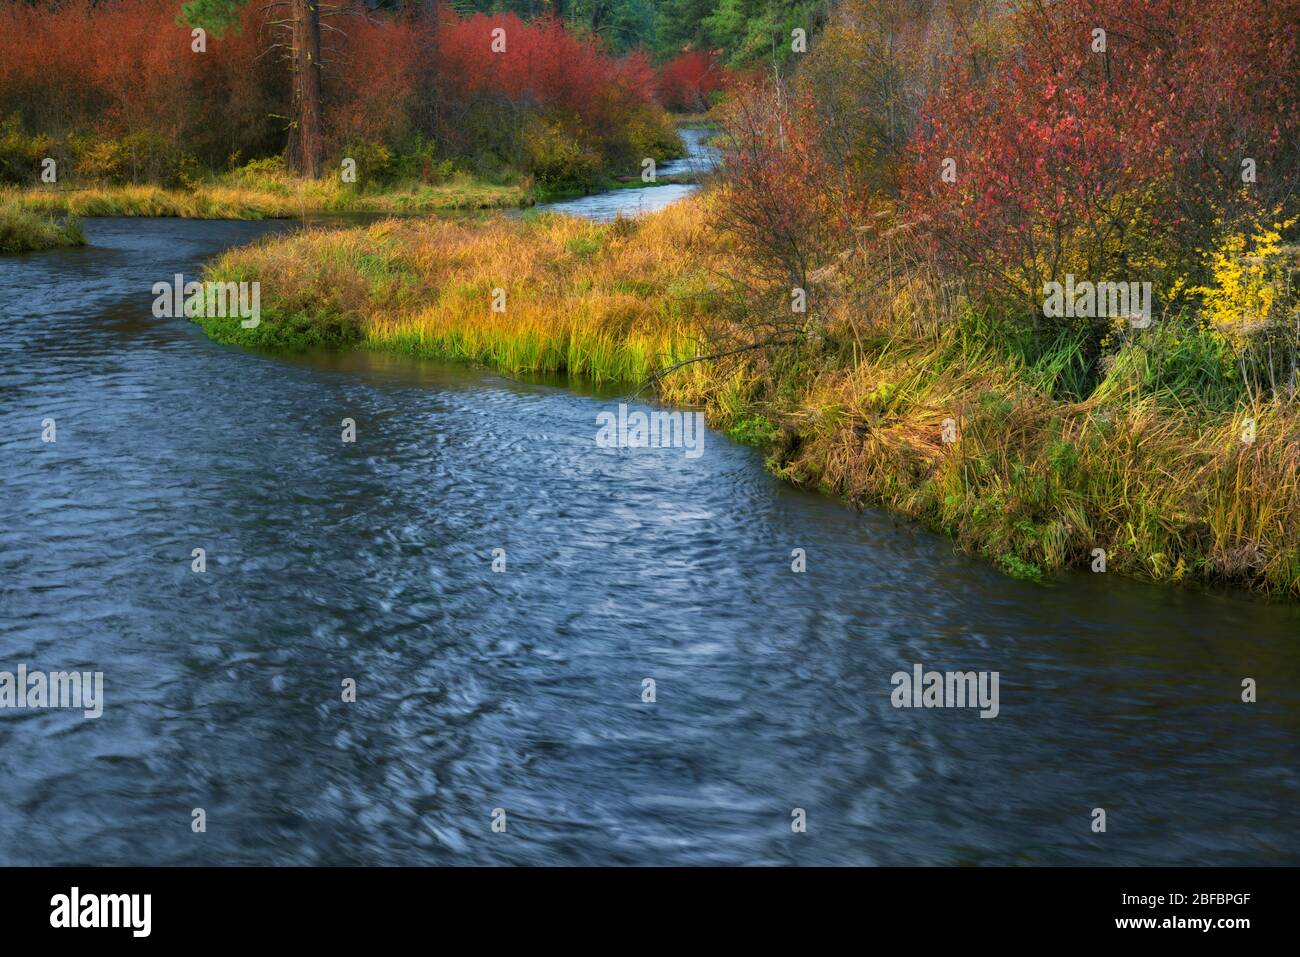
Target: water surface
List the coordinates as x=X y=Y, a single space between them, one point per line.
x=699 y=160
x=522 y=690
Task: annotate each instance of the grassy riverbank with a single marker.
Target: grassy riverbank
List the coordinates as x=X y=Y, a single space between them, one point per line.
x=611 y=302
x=270 y=196
x=23 y=230
x=1165 y=485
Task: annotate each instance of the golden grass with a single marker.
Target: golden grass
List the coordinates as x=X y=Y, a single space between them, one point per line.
x=1037 y=484
x=266 y=197
x=612 y=302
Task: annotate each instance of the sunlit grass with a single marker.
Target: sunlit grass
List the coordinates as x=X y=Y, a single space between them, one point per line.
x=237 y=196
x=610 y=302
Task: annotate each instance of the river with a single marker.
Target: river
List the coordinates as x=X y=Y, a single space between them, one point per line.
x=521 y=690
x=699 y=159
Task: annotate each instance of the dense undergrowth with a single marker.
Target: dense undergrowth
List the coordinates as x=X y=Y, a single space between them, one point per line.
x=420 y=108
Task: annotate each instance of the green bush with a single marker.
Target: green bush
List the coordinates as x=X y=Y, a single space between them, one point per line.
x=376 y=163
x=418 y=161
x=142 y=157
x=258 y=168
x=556 y=158
x=21 y=153
x=652 y=133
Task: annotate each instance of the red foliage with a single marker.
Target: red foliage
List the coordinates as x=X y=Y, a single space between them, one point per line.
x=1071 y=158
x=776 y=176
x=686 y=82
x=376 y=74
x=106 y=69
x=543 y=65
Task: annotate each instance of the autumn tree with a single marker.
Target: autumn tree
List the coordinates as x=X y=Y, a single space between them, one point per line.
x=298 y=22
x=1113 y=140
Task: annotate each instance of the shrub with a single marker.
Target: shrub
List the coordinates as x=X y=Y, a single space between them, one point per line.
x=1253 y=305
x=687 y=83
x=21 y=153
x=376 y=163
x=652 y=133
x=141 y=157
x=1119 y=163
x=556 y=158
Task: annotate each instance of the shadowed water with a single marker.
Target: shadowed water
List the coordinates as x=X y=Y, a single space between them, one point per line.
x=522 y=690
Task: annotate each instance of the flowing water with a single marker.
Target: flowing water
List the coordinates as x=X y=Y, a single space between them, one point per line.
x=521 y=690
x=700 y=158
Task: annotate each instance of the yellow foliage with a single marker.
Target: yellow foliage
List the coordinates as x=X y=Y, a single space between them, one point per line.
x=1249 y=288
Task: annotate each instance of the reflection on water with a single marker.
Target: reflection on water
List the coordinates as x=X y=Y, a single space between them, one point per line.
x=522 y=690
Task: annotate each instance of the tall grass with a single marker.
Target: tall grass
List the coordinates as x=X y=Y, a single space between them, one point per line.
x=1037 y=483
x=610 y=302
x=23 y=230
x=268 y=197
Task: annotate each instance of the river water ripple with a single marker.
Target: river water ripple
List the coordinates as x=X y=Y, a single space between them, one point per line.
x=522 y=690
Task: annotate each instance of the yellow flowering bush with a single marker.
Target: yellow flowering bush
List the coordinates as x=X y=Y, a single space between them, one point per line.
x=1252 y=284
x=1253 y=307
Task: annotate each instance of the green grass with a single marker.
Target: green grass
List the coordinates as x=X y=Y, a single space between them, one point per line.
x=23 y=230
x=271 y=194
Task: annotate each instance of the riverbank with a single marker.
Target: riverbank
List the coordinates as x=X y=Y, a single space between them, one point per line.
x=271 y=197
x=374 y=559
x=282 y=196
x=264 y=189
x=23 y=230
x=539 y=293
x=1168 y=490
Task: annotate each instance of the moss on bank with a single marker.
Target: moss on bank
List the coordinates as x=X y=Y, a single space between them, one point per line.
x=1165 y=485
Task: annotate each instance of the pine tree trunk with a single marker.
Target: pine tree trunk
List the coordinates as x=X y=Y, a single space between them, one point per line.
x=307 y=144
